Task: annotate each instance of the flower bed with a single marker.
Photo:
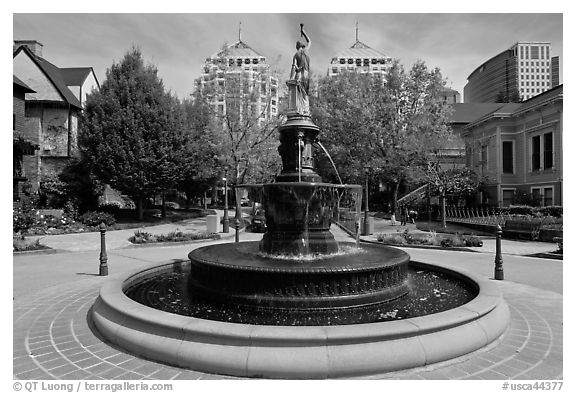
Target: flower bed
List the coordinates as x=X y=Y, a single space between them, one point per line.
x=141 y=237
x=430 y=239
x=20 y=243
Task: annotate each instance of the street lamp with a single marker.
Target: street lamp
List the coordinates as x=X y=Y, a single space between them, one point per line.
x=366 y=210
x=225 y=221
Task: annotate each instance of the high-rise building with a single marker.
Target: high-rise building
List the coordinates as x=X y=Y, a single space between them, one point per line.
x=360 y=58
x=239 y=77
x=523 y=71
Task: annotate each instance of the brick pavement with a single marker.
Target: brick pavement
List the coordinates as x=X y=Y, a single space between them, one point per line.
x=53 y=337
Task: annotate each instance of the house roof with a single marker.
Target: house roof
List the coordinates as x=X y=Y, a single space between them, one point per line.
x=239 y=49
x=360 y=50
x=76 y=76
x=512 y=109
x=23 y=85
x=54 y=74
x=469 y=112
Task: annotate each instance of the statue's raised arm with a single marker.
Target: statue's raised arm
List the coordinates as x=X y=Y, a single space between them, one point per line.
x=303 y=34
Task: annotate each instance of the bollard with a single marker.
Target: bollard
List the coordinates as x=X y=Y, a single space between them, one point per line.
x=498 y=263
x=237 y=227
x=103 y=256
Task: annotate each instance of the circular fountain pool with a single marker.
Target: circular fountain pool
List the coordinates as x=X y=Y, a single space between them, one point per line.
x=323 y=349
x=420 y=292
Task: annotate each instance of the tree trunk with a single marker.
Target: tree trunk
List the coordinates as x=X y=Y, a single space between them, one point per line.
x=140 y=208
x=163 y=204
x=443 y=208
x=395 y=197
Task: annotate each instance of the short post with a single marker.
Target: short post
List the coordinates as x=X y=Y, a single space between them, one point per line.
x=238 y=215
x=237 y=228
x=103 y=256
x=498 y=263
x=225 y=221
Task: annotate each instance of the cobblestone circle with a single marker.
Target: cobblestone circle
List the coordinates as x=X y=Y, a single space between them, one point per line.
x=53 y=339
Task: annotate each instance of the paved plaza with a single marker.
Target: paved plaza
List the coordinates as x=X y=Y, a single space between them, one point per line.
x=54 y=338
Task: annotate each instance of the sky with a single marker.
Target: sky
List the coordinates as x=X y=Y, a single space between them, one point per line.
x=179 y=43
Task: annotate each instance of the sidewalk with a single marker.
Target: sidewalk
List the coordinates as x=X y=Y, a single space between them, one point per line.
x=53 y=338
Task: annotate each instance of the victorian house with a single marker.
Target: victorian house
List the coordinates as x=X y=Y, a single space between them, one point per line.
x=47 y=103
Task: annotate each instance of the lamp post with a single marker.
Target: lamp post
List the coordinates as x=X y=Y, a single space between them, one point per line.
x=225 y=221
x=366 y=210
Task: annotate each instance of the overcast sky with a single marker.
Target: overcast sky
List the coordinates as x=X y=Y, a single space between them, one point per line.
x=178 y=44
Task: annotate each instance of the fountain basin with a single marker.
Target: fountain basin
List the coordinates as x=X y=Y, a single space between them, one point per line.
x=298 y=352
x=237 y=273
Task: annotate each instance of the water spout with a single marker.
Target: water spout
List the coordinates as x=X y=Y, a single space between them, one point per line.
x=331 y=161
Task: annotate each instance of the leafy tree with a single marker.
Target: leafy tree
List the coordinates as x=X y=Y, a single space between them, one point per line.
x=204 y=170
x=245 y=131
x=133 y=134
x=393 y=125
x=452 y=181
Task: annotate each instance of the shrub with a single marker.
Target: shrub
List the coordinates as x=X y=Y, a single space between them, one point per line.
x=522 y=209
x=112 y=208
x=140 y=237
x=24 y=215
x=554 y=211
x=473 y=241
x=20 y=243
x=391 y=239
x=95 y=218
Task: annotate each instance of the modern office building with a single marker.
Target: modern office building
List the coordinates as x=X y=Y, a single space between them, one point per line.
x=360 y=58
x=523 y=71
x=239 y=77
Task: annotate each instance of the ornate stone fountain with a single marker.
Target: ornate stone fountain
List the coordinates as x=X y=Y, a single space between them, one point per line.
x=297 y=267
x=299 y=209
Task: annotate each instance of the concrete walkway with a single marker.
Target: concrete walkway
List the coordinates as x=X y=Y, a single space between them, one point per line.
x=53 y=338
x=119 y=239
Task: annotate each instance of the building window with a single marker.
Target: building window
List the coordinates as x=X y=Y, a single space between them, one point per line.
x=508 y=196
x=507 y=157
x=548 y=151
x=536 y=153
x=548 y=196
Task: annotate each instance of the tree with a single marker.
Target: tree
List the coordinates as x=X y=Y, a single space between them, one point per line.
x=133 y=134
x=244 y=127
x=204 y=170
x=453 y=181
x=392 y=125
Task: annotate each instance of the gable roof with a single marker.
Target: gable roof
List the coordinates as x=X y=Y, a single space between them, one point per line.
x=23 y=85
x=54 y=74
x=469 y=112
x=76 y=76
x=239 y=49
x=360 y=50
x=516 y=109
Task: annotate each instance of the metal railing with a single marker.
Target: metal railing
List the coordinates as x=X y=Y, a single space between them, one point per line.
x=492 y=216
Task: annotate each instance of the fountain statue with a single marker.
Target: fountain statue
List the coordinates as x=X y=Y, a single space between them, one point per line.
x=298 y=208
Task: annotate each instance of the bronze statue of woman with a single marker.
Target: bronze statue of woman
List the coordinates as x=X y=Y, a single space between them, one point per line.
x=301 y=62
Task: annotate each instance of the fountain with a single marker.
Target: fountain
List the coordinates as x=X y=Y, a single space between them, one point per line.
x=298 y=267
